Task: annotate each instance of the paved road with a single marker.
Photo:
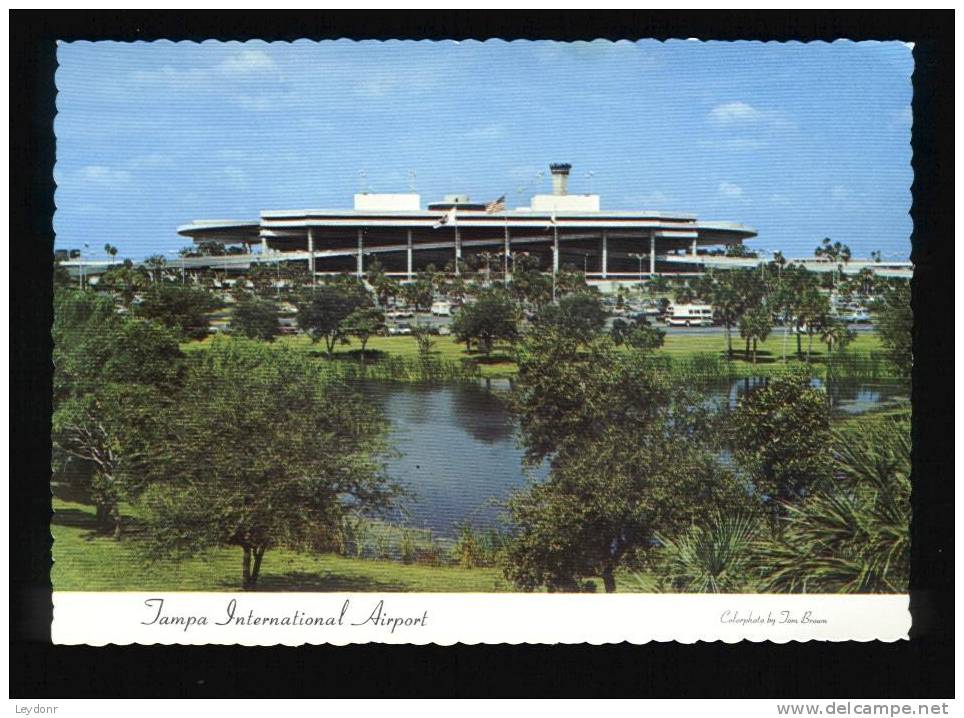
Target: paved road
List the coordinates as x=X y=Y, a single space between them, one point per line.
x=433 y=321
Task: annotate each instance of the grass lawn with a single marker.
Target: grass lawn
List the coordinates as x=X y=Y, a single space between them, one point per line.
x=677 y=346
x=85 y=560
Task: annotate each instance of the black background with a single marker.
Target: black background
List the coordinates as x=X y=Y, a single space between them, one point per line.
x=921 y=667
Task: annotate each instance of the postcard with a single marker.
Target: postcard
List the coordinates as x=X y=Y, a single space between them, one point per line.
x=481 y=342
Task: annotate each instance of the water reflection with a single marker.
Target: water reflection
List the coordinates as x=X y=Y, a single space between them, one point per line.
x=845 y=396
x=457 y=450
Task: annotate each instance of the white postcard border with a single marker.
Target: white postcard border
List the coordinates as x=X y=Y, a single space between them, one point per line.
x=424 y=618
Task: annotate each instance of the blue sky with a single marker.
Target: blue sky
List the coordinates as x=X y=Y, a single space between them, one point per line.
x=799 y=141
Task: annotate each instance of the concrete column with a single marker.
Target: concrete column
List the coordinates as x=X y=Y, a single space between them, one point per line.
x=311 y=256
x=555 y=250
x=652 y=254
x=693 y=248
x=264 y=245
x=508 y=249
x=458 y=251
x=605 y=254
x=408 y=253
x=360 y=261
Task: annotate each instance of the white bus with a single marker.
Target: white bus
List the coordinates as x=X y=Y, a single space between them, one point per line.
x=690 y=315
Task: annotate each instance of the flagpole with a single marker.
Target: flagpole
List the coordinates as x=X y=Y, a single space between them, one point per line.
x=458 y=248
x=507 y=247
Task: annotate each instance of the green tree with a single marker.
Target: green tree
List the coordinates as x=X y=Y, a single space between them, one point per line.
x=755 y=325
x=716 y=555
x=265 y=450
x=722 y=291
x=638 y=334
x=386 y=288
x=155 y=266
x=418 y=294
x=625 y=462
x=813 y=308
x=492 y=318
x=580 y=316
x=424 y=340
x=785 y=297
x=184 y=309
x=853 y=534
x=61 y=275
x=263 y=278
x=570 y=280
x=363 y=323
x=322 y=312
x=209 y=248
x=255 y=319
x=528 y=283
x=126 y=281
x=740 y=250
x=835 y=334
x=835 y=252
x=781 y=437
x=895 y=323
x=110 y=373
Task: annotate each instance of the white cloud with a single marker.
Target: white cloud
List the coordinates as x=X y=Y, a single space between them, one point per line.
x=386 y=82
x=246 y=63
x=733 y=112
x=839 y=192
x=104 y=176
x=728 y=189
x=191 y=77
x=743 y=115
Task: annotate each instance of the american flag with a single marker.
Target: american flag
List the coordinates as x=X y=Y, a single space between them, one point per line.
x=494 y=206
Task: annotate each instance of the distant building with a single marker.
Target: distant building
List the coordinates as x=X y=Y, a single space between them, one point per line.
x=558 y=228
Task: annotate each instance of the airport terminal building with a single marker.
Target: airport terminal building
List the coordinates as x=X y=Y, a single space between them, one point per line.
x=559 y=228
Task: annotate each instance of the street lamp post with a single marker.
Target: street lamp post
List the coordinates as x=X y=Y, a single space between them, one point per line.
x=640 y=258
x=84 y=282
x=277 y=286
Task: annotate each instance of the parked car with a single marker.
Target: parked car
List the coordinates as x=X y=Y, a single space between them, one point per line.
x=399 y=329
x=858 y=317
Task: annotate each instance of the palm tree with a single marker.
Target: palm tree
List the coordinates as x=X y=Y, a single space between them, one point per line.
x=852 y=535
x=714 y=557
x=835 y=334
x=155 y=264
x=755 y=325
x=836 y=252
x=110 y=250
x=727 y=303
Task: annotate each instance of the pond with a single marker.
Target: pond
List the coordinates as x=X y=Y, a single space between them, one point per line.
x=457 y=447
